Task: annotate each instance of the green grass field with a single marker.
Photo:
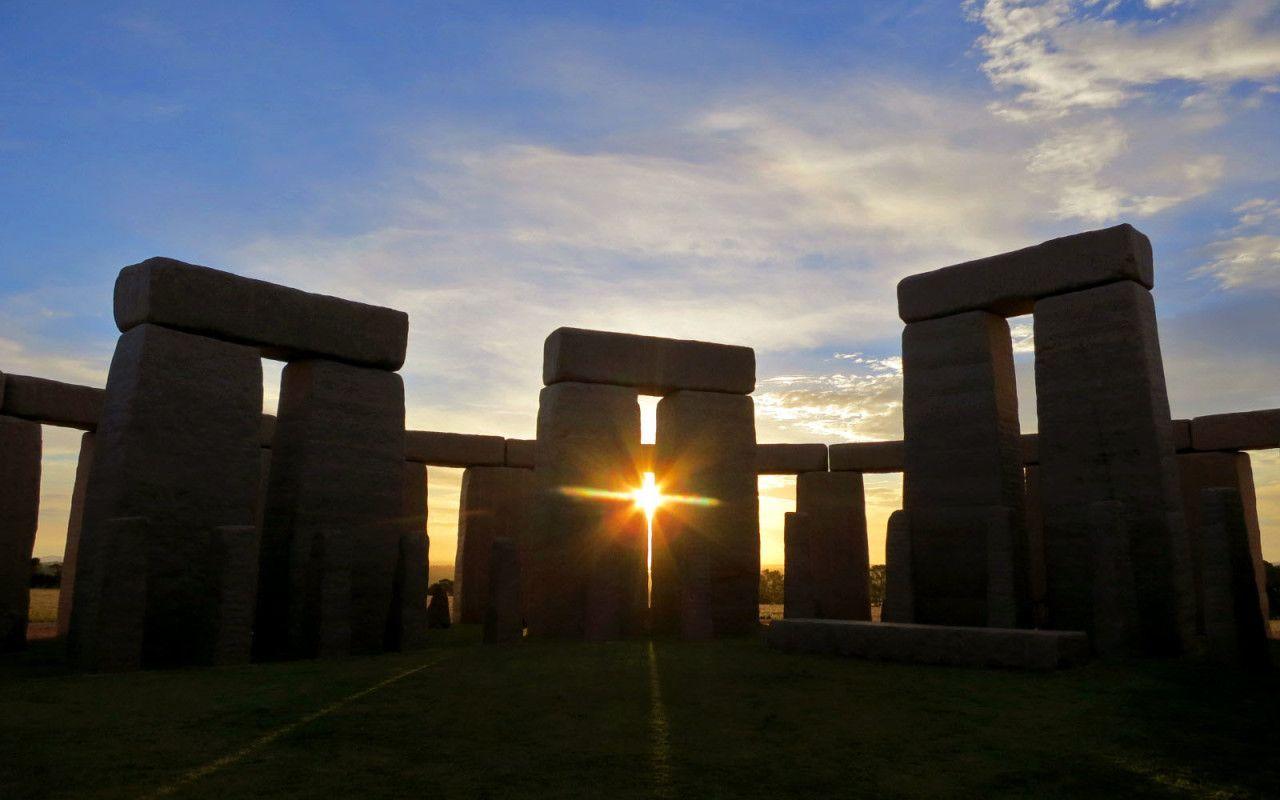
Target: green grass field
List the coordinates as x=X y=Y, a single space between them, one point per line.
x=633 y=719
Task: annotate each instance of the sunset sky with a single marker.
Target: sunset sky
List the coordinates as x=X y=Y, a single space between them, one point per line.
x=759 y=173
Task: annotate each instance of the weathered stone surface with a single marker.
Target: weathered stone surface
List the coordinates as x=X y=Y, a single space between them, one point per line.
x=267 y=430
x=1181 y=434
x=337 y=466
x=1243 y=430
x=407 y=628
x=898 y=594
x=1029 y=448
x=109 y=616
x=282 y=322
x=49 y=402
x=438 y=608
x=790 y=459
x=177 y=445
x=234 y=559
x=496 y=502
x=1235 y=599
x=1010 y=283
x=867 y=456
x=75 y=522
x=20 y=449
x=1116 y=622
x=962 y=458
x=438 y=449
x=834 y=504
x=586 y=553
x=932 y=644
x=650 y=364
x=502 y=615
x=1105 y=434
x=1034 y=516
x=706 y=557
x=798 y=595
x=521 y=453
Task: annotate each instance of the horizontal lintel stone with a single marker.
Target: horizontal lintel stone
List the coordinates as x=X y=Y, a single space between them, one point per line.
x=50 y=402
x=438 y=449
x=521 y=452
x=867 y=456
x=283 y=322
x=790 y=459
x=650 y=364
x=1242 y=430
x=1009 y=284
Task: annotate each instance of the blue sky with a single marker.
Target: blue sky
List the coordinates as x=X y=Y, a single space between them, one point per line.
x=759 y=173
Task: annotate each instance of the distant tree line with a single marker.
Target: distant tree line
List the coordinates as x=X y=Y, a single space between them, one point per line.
x=45 y=576
x=771 y=586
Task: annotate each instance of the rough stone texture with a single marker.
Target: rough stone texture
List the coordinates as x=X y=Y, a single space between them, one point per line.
x=521 y=453
x=337 y=467
x=1235 y=599
x=962 y=457
x=407 y=627
x=586 y=553
x=835 y=504
x=1181 y=434
x=1010 y=283
x=1116 y=621
x=496 y=502
x=20 y=449
x=282 y=322
x=438 y=608
x=234 y=559
x=798 y=596
x=790 y=459
x=650 y=364
x=267 y=430
x=1200 y=471
x=502 y=615
x=75 y=522
x=1029 y=448
x=68 y=405
x=112 y=638
x=706 y=558
x=437 y=449
x=899 y=597
x=867 y=456
x=932 y=644
x=1243 y=430
x=177 y=445
x=1105 y=434
x=1034 y=516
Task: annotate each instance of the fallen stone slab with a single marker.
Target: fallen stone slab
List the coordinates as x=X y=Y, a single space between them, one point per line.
x=438 y=449
x=1242 y=430
x=283 y=322
x=650 y=364
x=1009 y=284
x=1010 y=648
x=67 y=405
x=867 y=456
x=790 y=459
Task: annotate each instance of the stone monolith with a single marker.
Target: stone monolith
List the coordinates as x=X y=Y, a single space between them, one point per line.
x=899 y=598
x=75 y=521
x=502 y=616
x=1235 y=598
x=798 y=585
x=20 y=450
x=496 y=502
x=407 y=627
x=835 y=507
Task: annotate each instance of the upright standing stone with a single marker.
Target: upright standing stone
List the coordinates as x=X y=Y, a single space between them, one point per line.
x=20 y=449
x=337 y=465
x=798 y=585
x=438 y=608
x=1105 y=434
x=176 y=446
x=407 y=627
x=1235 y=599
x=496 y=502
x=1035 y=547
x=962 y=457
x=502 y=619
x=75 y=521
x=899 y=598
x=705 y=449
x=234 y=559
x=1116 y=620
x=837 y=525
x=587 y=544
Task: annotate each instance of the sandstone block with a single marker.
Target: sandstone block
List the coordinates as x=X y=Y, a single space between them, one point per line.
x=1115 y=624
x=75 y=522
x=867 y=456
x=835 y=507
x=109 y=615
x=234 y=559
x=790 y=459
x=650 y=364
x=1009 y=284
x=50 y=402
x=898 y=594
x=1029 y=448
x=496 y=503
x=20 y=450
x=282 y=322
x=798 y=600
x=437 y=449
x=502 y=616
x=1036 y=578
x=176 y=445
x=1105 y=434
x=408 y=626
x=1235 y=600
x=1243 y=430
x=337 y=466
x=521 y=453
x=1182 y=435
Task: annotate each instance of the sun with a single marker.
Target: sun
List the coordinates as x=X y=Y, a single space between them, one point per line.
x=648 y=498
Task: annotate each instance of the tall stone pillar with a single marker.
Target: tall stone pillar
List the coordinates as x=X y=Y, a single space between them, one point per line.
x=587 y=544
x=707 y=551
x=962 y=458
x=1105 y=435
x=496 y=502
x=20 y=450
x=502 y=616
x=407 y=627
x=899 y=598
x=175 y=458
x=835 y=505
x=1035 y=547
x=334 y=511
x=1235 y=599
x=75 y=522
x=798 y=585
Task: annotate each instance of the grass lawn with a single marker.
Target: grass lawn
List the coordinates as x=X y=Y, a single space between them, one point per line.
x=44 y=606
x=633 y=719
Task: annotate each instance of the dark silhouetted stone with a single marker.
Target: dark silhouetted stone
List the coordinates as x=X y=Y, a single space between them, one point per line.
x=899 y=597
x=496 y=502
x=1235 y=598
x=798 y=586
x=1243 y=430
x=75 y=521
x=20 y=450
x=790 y=459
x=1115 y=624
x=407 y=628
x=437 y=449
x=67 y=405
x=502 y=616
x=521 y=453
x=836 y=528
x=234 y=559
x=867 y=456
x=438 y=608
x=651 y=364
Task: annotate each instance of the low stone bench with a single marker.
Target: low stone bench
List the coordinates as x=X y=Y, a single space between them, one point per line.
x=932 y=644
